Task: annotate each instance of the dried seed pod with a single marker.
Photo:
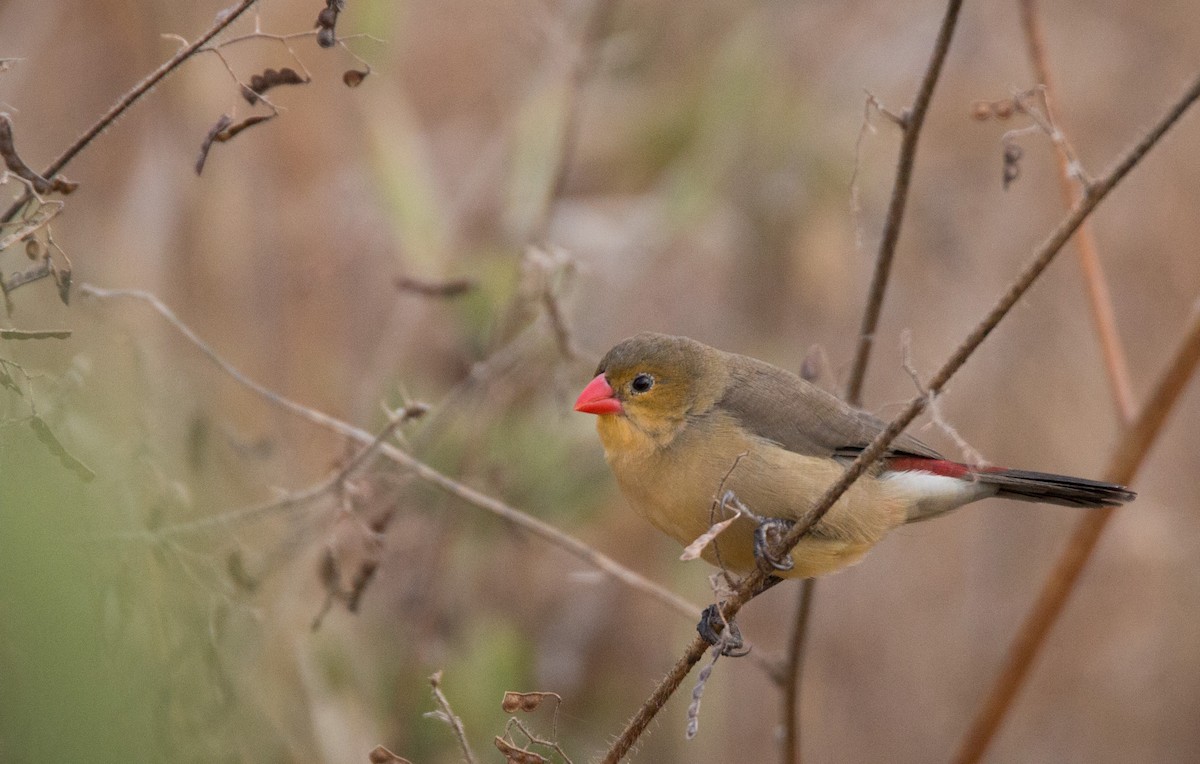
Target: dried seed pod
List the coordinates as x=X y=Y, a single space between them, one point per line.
x=1012 y=163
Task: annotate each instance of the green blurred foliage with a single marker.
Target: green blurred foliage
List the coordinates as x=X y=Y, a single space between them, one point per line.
x=143 y=617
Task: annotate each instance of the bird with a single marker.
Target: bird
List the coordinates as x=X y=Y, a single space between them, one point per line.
x=696 y=436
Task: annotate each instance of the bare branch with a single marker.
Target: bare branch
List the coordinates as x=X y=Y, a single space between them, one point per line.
x=910 y=122
x=587 y=57
x=423 y=471
x=1044 y=255
x=1132 y=450
x=1099 y=297
x=914 y=118
x=793 y=669
x=447 y=715
x=223 y=20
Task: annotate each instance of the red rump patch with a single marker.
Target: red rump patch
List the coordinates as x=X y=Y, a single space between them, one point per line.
x=935 y=466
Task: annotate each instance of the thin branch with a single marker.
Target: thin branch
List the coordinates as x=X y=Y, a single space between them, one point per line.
x=1132 y=450
x=1099 y=297
x=790 y=752
x=595 y=28
x=587 y=57
x=1064 y=577
x=1043 y=256
x=914 y=118
x=911 y=123
x=447 y=715
x=297 y=498
x=423 y=471
x=223 y=20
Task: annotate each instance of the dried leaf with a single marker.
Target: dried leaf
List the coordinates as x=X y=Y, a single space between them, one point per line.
x=236 y=568
x=40 y=217
x=222 y=123
x=523 y=701
x=694 y=549
x=354 y=77
x=450 y=288
x=62 y=279
x=225 y=130
x=1012 y=163
x=21 y=278
x=232 y=130
x=381 y=755
x=48 y=439
x=34 y=334
x=6 y=380
x=17 y=166
x=261 y=83
x=515 y=755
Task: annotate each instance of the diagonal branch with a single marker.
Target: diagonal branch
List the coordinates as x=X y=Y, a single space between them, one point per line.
x=912 y=124
x=223 y=20
x=1132 y=450
x=1043 y=257
x=1099 y=297
x=533 y=525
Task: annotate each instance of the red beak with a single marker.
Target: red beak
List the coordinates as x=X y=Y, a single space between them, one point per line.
x=598 y=398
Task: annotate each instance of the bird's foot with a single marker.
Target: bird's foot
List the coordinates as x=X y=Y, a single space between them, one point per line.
x=768 y=551
x=729 y=640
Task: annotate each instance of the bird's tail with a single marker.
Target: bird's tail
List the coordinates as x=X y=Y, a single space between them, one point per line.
x=1054 y=489
x=1023 y=485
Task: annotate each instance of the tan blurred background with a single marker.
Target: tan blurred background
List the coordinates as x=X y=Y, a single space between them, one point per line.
x=709 y=194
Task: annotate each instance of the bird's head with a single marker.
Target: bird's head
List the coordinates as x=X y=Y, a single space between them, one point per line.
x=654 y=381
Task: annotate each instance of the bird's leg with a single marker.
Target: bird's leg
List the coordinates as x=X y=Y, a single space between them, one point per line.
x=767 y=537
x=730 y=638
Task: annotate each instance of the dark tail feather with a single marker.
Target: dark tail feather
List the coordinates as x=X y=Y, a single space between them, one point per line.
x=1055 y=489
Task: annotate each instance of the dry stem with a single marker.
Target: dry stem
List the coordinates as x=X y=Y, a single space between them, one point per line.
x=1061 y=581
x=914 y=118
x=1099 y=298
x=1123 y=466
x=423 y=471
x=1044 y=255
x=911 y=123
x=223 y=20
x=448 y=716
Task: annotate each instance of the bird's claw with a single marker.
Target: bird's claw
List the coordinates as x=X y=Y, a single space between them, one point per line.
x=729 y=640
x=767 y=538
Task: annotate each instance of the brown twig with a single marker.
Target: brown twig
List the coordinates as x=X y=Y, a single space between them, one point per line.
x=1043 y=256
x=914 y=118
x=447 y=715
x=1099 y=298
x=598 y=22
x=911 y=123
x=790 y=752
x=252 y=514
x=1062 y=579
x=595 y=27
x=1122 y=467
x=448 y=288
x=423 y=471
x=223 y=20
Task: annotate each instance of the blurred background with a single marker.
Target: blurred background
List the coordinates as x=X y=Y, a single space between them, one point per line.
x=707 y=192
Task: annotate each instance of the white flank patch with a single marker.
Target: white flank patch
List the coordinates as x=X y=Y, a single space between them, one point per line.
x=928 y=494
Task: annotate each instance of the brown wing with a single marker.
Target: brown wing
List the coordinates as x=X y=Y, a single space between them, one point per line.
x=781 y=407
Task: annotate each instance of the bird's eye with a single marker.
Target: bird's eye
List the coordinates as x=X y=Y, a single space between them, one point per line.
x=641 y=383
